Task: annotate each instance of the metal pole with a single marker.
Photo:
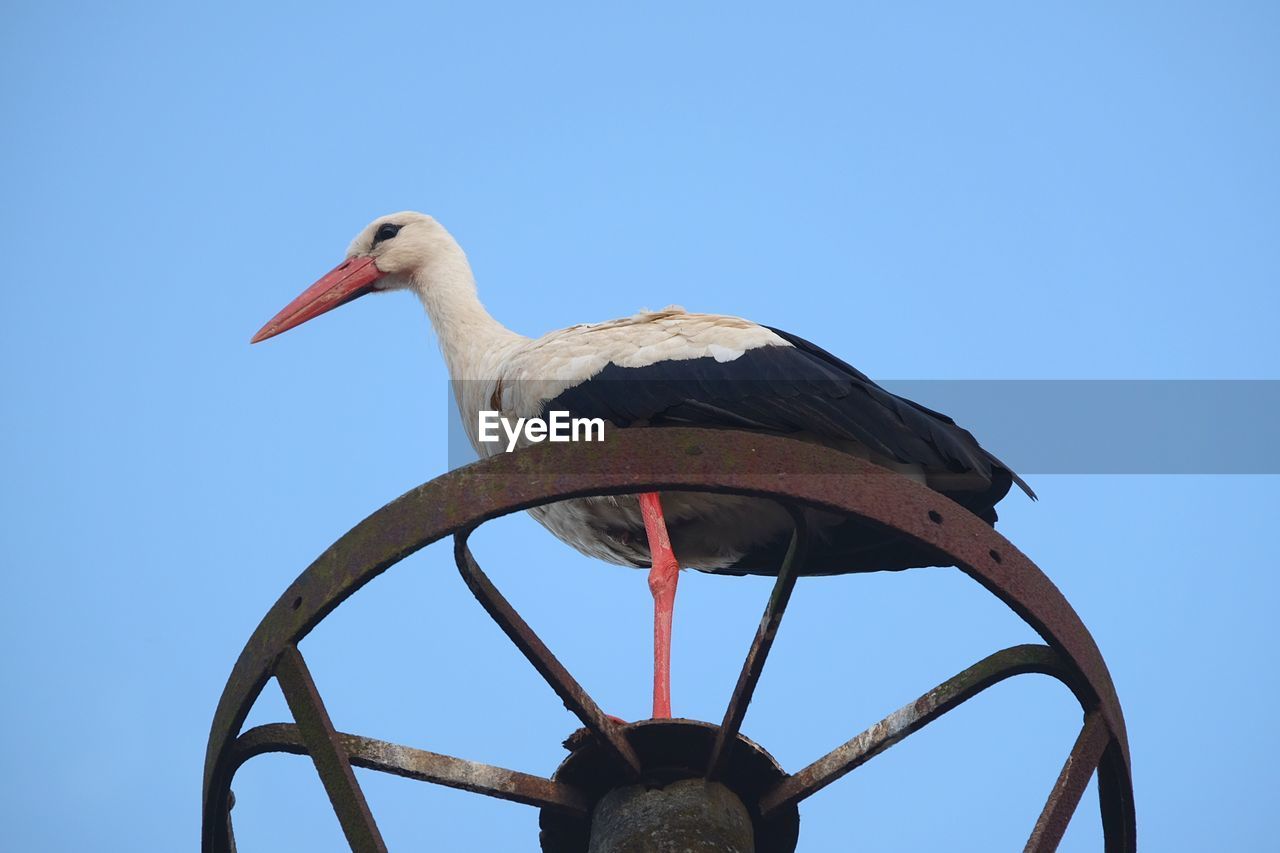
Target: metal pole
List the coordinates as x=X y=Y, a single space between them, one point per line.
x=691 y=815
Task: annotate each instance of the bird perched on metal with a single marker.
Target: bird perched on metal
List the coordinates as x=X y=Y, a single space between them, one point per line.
x=657 y=369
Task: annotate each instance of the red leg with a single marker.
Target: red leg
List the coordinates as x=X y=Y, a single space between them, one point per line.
x=663 y=576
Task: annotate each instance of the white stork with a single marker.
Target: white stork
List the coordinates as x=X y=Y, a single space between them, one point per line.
x=679 y=368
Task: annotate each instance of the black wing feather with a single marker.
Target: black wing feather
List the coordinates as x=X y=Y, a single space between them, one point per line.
x=784 y=389
x=942 y=430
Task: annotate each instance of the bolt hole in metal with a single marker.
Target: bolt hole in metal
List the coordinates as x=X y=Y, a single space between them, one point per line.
x=611 y=756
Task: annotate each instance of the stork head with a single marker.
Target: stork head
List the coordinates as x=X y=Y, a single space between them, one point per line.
x=390 y=253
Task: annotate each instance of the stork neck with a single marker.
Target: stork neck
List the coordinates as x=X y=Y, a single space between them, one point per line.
x=470 y=338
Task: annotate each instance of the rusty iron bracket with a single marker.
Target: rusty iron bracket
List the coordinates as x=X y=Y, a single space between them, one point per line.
x=424 y=766
x=1065 y=796
x=531 y=646
x=911 y=718
x=753 y=666
x=328 y=752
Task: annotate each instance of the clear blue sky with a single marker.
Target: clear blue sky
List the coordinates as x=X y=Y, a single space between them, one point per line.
x=932 y=191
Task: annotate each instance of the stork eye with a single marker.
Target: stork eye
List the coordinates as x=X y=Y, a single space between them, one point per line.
x=385 y=232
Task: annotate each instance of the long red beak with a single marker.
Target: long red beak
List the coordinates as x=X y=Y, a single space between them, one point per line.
x=349 y=280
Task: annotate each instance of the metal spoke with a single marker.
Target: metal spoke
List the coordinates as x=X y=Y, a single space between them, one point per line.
x=753 y=666
x=530 y=644
x=911 y=718
x=328 y=752
x=423 y=766
x=1074 y=778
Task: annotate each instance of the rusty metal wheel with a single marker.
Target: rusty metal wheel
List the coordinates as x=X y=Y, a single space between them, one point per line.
x=608 y=754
